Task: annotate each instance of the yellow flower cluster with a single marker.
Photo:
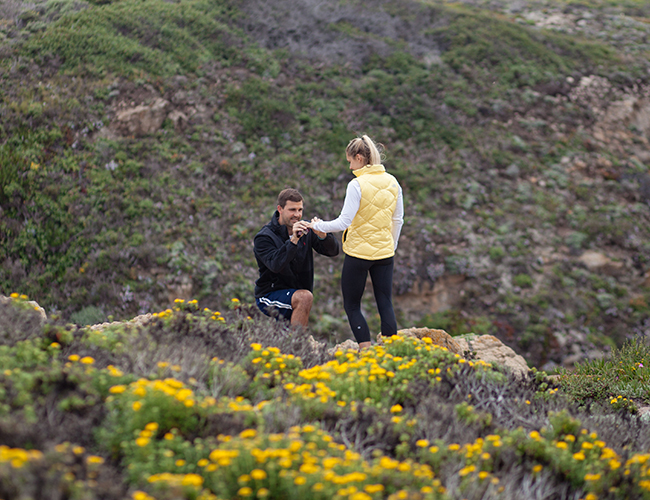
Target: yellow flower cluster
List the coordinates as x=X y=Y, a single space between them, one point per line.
x=640 y=464
x=114 y=372
x=167 y=313
x=178 y=479
x=21 y=298
x=17 y=457
x=169 y=386
x=272 y=363
x=308 y=459
x=146 y=434
x=213 y=315
x=351 y=377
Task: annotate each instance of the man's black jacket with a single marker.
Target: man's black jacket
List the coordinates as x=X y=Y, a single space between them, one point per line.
x=284 y=265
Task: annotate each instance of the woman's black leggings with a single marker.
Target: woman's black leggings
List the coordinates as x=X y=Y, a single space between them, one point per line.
x=353 y=282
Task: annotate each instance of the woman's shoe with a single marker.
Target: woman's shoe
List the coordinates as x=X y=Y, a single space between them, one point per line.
x=364 y=345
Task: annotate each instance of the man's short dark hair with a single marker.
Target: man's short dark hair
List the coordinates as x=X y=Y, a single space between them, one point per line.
x=288 y=194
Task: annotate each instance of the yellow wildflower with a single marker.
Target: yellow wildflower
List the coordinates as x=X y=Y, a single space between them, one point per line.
x=258 y=474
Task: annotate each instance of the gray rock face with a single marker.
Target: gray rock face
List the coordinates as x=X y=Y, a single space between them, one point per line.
x=491 y=350
x=31 y=303
x=143 y=119
x=483 y=347
x=439 y=337
x=137 y=321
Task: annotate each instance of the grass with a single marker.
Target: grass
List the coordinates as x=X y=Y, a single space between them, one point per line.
x=209 y=404
x=133 y=38
x=482 y=46
x=622 y=377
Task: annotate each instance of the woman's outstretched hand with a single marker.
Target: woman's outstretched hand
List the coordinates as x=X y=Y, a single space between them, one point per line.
x=320 y=234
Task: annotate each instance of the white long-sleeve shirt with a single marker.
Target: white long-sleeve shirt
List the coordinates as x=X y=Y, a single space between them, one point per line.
x=351 y=207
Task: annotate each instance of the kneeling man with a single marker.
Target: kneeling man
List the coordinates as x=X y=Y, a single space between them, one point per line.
x=283 y=249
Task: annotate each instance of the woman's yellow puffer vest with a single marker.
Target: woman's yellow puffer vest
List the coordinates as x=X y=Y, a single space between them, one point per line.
x=370 y=235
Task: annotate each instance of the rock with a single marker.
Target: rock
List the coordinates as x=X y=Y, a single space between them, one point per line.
x=141 y=320
x=596 y=261
x=31 y=303
x=444 y=294
x=180 y=288
x=491 y=350
x=178 y=118
x=344 y=346
x=439 y=337
x=143 y=119
x=485 y=347
x=571 y=360
x=644 y=413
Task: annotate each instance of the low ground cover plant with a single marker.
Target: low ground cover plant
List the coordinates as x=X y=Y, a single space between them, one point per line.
x=243 y=418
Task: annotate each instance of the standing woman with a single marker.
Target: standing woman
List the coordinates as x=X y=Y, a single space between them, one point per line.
x=372 y=218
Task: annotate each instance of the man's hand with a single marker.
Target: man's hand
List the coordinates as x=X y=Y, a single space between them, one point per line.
x=320 y=234
x=300 y=228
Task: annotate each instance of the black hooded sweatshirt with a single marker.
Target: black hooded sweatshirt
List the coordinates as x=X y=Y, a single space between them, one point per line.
x=284 y=265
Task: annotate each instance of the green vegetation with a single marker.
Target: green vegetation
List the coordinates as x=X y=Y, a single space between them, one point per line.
x=135 y=39
x=204 y=404
x=479 y=109
x=623 y=376
x=483 y=46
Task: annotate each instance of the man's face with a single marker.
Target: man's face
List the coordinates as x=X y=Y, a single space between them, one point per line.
x=290 y=214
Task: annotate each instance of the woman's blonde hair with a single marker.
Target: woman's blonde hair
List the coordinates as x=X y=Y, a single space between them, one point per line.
x=365 y=147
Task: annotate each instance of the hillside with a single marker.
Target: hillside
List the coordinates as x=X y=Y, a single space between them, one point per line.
x=142 y=145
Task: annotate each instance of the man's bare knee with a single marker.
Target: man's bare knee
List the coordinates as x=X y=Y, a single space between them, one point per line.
x=302 y=299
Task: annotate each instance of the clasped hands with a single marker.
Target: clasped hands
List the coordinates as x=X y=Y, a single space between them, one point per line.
x=302 y=227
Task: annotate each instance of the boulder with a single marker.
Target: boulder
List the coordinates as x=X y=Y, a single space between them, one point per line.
x=483 y=347
x=439 y=337
x=344 y=346
x=644 y=413
x=598 y=262
x=178 y=118
x=491 y=350
x=445 y=293
x=143 y=119
x=28 y=303
x=141 y=320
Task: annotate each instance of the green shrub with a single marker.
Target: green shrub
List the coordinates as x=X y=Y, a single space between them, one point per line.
x=617 y=379
x=129 y=37
x=497 y=253
x=481 y=44
x=523 y=280
x=89 y=315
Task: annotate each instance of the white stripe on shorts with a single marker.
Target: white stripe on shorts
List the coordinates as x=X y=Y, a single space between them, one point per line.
x=275 y=303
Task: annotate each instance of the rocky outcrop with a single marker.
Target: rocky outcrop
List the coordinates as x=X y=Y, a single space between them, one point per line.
x=439 y=337
x=596 y=261
x=27 y=303
x=137 y=321
x=143 y=119
x=491 y=350
x=178 y=118
x=444 y=294
x=344 y=346
x=482 y=347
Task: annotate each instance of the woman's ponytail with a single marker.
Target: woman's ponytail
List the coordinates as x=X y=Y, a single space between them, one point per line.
x=365 y=147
